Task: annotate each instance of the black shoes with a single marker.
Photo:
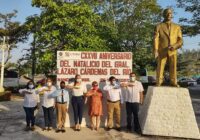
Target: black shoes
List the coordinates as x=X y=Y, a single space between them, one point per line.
x=32 y=128
x=138 y=131
x=45 y=129
x=63 y=130
x=128 y=130
x=60 y=130
x=108 y=129
x=118 y=129
x=49 y=128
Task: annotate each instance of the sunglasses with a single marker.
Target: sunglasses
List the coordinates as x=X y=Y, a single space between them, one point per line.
x=95 y=85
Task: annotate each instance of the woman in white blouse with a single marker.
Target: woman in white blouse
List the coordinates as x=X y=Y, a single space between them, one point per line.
x=48 y=104
x=31 y=102
x=78 y=90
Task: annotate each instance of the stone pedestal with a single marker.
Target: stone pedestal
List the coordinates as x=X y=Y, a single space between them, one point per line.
x=168 y=111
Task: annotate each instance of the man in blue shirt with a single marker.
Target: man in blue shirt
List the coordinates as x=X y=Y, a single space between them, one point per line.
x=62 y=104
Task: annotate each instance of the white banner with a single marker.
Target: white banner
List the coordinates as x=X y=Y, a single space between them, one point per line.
x=93 y=66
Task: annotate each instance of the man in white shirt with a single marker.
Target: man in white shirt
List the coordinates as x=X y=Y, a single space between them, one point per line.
x=114 y=101
x=62 y=103
x=134 y=97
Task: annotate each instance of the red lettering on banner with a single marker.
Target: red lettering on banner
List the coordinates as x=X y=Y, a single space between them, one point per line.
x=85 y=79
x=126 y=71
x=88 y=55
x=98 y=66
x=106 y=64
x=106 y=55
x=121 y=64
x=91 y=71
x=62 y=79
x=114 y=72
x=64 y=63
x=68 y=71
x=86 y=63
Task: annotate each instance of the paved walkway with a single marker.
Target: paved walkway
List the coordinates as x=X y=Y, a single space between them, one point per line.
x=12 y=123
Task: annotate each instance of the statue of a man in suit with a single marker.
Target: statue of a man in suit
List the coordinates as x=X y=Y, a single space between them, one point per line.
x=167 y=39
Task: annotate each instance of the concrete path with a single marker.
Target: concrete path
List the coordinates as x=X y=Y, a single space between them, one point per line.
x=12 y=123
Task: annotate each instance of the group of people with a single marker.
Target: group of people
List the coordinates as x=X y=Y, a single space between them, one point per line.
x=59 y=98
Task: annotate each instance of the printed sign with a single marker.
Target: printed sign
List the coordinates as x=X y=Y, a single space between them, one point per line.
x=93 y=66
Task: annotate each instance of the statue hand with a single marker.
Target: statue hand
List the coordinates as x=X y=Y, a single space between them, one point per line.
x=171 y=48
x=156 y=54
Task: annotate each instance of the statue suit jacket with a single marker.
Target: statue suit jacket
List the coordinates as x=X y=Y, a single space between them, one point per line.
x=165 y=37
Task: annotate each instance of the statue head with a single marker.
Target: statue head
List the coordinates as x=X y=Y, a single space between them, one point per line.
x=167 y=14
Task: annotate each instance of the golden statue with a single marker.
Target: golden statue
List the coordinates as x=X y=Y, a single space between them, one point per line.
x=167 y=39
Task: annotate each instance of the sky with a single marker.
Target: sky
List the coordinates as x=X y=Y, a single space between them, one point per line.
x=25 y=9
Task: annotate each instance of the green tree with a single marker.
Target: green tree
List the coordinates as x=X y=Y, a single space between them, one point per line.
x=98 y=25
x=188 y=63
x=134 y=23
x=65 y=26
x=192 y=24
x=12 y=30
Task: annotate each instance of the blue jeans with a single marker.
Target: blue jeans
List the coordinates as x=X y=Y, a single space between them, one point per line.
x=48 y=116
x=77 y=104
x=30 y=118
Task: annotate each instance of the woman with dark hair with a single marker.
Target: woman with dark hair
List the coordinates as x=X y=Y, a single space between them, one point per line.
x=31 y=103
x=78 y=90
x=95 y=106
x=48 y=103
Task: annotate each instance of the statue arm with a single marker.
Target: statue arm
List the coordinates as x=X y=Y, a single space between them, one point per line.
x=179 y=42
x=156 y=41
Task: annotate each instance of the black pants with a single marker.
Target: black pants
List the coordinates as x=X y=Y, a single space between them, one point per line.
x=48 y=116
x=77 y=104
x=30 y=118
x=132 y=109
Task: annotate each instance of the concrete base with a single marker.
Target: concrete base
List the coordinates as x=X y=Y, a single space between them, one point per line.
x=168 y=111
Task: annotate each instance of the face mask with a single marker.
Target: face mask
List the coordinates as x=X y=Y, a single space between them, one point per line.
x=49 y=84
x=95 y=87
x=132 y=79
x=79 y=80
x=62 y=87
x=31 y=86
x=114 y=82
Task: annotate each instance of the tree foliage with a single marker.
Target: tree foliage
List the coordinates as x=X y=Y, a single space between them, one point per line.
x=98 y=25
x=188 y=63
x=65 y=26
x=191 y=24
x=134 y=21
x=12 y=30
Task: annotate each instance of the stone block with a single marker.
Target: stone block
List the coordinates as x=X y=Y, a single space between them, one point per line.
x=168 y=111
